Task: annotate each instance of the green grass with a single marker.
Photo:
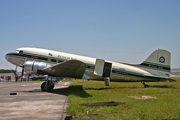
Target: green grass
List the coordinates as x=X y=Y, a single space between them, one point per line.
x=28 y=81
x=166 y=106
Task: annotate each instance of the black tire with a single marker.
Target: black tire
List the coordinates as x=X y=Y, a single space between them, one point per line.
x=146 y=86
x=47 y=89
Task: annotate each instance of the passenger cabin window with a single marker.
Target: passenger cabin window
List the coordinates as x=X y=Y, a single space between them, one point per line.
x=53 y=60
x=59 y=61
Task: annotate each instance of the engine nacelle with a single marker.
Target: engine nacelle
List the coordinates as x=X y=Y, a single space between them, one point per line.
x=31 y=67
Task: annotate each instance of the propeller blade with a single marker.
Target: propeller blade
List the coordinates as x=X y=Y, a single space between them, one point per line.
x=22 y=73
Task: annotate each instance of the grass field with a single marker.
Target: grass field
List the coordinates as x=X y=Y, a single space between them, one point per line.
x=29 y=81
x=163 y=104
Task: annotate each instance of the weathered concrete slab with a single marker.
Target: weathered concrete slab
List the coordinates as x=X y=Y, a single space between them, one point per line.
x=32 y=104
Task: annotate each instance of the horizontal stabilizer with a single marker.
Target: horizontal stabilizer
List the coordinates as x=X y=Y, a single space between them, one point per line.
x=158 y=76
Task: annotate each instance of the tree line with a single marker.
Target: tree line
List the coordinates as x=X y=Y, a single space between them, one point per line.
x=5 y=71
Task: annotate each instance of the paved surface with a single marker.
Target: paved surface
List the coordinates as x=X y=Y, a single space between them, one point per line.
x=32 y=104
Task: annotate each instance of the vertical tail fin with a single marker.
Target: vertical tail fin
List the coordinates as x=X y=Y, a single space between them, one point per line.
x=159 y=62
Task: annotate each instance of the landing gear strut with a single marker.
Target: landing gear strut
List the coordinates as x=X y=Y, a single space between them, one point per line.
x=145 y=85
x=47 y=86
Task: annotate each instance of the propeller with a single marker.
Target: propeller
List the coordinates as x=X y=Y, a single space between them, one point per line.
x=15 y=73
x=22 y=65
x=28 y=76
x=16 y=68
x=22 y=73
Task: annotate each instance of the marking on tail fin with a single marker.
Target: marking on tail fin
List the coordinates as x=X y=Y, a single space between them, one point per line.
x=161 y=59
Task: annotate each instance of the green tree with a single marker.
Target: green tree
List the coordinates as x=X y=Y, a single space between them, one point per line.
x=6 y=71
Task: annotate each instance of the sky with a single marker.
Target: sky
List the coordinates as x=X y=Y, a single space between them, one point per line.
x=125 y=31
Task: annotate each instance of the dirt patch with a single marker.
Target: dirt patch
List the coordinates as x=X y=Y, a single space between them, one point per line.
x=142 y=97
x=86 y=117
x=92 y=116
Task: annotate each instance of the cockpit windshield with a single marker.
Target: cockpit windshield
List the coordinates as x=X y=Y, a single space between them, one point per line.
x=19 y=51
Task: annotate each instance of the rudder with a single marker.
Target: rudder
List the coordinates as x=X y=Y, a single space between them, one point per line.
x=158 y=62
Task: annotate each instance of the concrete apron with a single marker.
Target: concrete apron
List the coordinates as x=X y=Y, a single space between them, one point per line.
x=30 y=103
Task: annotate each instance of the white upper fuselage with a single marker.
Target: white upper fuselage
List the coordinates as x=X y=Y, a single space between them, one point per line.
x=119 y=70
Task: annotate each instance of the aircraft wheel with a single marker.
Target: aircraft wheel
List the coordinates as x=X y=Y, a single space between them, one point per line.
x=47 y=89
x=146 y=86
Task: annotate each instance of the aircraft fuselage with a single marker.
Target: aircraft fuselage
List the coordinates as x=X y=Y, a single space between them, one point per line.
x=119 y=71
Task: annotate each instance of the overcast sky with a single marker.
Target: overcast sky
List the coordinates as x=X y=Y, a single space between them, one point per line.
x=118 y=30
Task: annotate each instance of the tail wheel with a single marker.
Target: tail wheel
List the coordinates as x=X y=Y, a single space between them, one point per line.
x=47 y=87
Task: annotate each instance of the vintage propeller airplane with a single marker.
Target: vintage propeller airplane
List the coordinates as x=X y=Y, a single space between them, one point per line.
x=38 y=61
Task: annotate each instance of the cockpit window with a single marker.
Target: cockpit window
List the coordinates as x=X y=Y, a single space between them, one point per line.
x=19 y=51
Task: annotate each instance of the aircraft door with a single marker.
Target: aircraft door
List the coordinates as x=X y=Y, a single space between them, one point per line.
x=102 y=68
x=107 y=69
x=99 y=66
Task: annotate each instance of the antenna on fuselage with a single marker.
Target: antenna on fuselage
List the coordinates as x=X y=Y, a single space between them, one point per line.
x=30 y=46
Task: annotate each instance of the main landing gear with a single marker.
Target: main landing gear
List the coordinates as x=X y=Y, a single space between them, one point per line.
x=49 y=85
x=145 y=85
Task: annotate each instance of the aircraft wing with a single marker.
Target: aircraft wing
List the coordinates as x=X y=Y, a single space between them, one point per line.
x=158 y=76
x=71 y=68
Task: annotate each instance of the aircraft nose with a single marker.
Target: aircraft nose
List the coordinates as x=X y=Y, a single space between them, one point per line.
x=6 y=56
